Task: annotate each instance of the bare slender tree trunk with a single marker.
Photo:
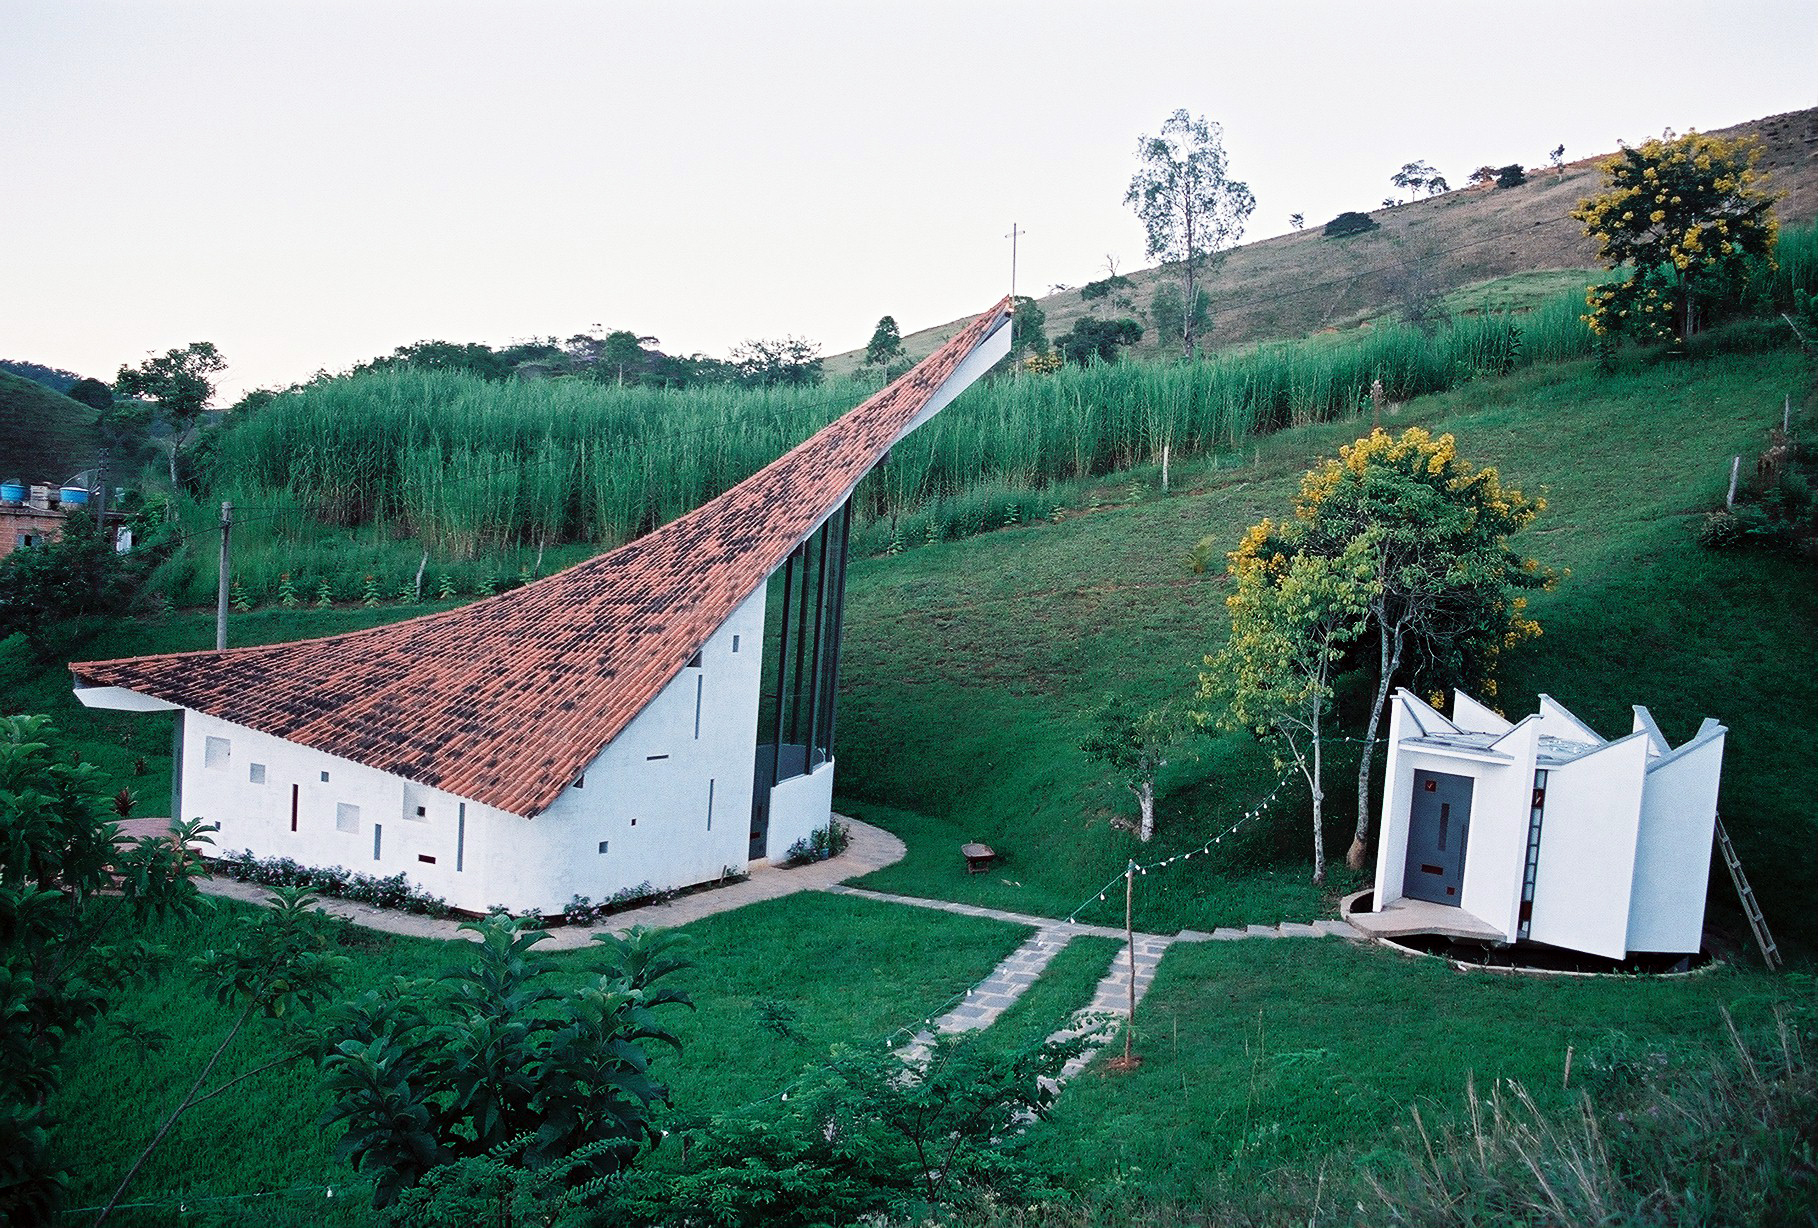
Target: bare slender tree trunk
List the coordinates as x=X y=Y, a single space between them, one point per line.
x=1387 y=664
x=1319 y=822
x=1145 y=801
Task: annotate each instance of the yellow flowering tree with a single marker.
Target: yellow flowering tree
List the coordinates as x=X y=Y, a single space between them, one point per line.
x=1446 y=601
x=1689 y=218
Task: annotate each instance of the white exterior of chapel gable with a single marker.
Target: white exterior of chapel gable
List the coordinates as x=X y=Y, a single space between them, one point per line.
x=615 y=747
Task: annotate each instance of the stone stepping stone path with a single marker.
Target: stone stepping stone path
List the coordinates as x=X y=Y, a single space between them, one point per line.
x=991 y=997
x=1099 y=1019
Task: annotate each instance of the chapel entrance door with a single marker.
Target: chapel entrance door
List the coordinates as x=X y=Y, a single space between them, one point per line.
x=1438 y=822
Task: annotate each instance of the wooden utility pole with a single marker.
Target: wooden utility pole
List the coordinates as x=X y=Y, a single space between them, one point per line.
x=227 y=524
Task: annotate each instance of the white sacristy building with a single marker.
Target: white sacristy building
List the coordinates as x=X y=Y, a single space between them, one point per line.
x=656 y=714
x=1542 y=831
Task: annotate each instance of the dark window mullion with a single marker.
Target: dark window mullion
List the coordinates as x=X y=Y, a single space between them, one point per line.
x=801 y=646
x=782 y=670
x=818 y=681
x=838 y=628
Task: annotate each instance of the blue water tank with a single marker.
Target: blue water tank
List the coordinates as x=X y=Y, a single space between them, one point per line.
x=75 y=496
x=12 y=491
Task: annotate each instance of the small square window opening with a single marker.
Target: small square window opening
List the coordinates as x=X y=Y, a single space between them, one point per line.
x=347 y=818
x=324 y=777
x=256 y=773
x=422 y=812
x=603 y=845
x=216 y=752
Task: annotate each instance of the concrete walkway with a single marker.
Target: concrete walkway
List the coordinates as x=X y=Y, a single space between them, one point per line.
x=1287 y=929
x=871 y=848
x=1100 y=1019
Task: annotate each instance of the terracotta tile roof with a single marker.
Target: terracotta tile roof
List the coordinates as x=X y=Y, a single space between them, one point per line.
x=506 y=700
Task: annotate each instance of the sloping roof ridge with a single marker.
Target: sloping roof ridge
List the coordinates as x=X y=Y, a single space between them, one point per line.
x=509 y=679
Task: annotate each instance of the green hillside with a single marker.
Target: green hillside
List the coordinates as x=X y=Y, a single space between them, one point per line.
x=44 y=436
x=969 y=664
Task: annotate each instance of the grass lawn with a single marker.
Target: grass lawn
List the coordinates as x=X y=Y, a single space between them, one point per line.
x=969 y=666
x=1260 y=1054
x=1066 y=985
x=846 y=970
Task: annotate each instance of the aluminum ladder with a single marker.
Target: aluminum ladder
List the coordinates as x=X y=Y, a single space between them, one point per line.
x=1770 y=953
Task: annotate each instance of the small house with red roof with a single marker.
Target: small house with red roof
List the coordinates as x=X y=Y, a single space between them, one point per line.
x=657 y=714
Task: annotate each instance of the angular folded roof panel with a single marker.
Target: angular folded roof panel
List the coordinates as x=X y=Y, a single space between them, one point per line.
x=506 y=700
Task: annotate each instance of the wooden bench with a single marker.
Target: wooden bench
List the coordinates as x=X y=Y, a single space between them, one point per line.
x=978 y=857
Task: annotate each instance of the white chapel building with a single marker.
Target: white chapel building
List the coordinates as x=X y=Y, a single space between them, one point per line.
x=659 y=713
x=1543 y=831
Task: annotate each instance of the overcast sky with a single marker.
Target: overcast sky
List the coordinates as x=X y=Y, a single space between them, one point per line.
x=311 y=184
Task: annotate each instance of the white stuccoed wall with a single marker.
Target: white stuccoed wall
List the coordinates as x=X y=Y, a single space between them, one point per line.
x=798 y=806
x=1392 y=826
x=651 y=812
x=256 y=817
x=1673 y=851
x=1587 y=849
x=1498 y=844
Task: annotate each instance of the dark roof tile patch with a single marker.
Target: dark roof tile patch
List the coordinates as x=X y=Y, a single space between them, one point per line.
x=506 y=700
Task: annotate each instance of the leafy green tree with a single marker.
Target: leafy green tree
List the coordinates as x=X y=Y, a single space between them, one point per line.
x=1189 y=205
x=180 y=383
x=783 y=362
x=1135 y=743
x=885 y=346
x=1167 y=311
x=48 y=589
x=864 y=1138
x=1689 y=219
x=429 y=1074
x=1091 y=338
x=1419 y=178
x=1028 y=328
x=1292 y=618
x=1437 y=530
x=622 y=357
x=73 y=897
x=92 y=393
